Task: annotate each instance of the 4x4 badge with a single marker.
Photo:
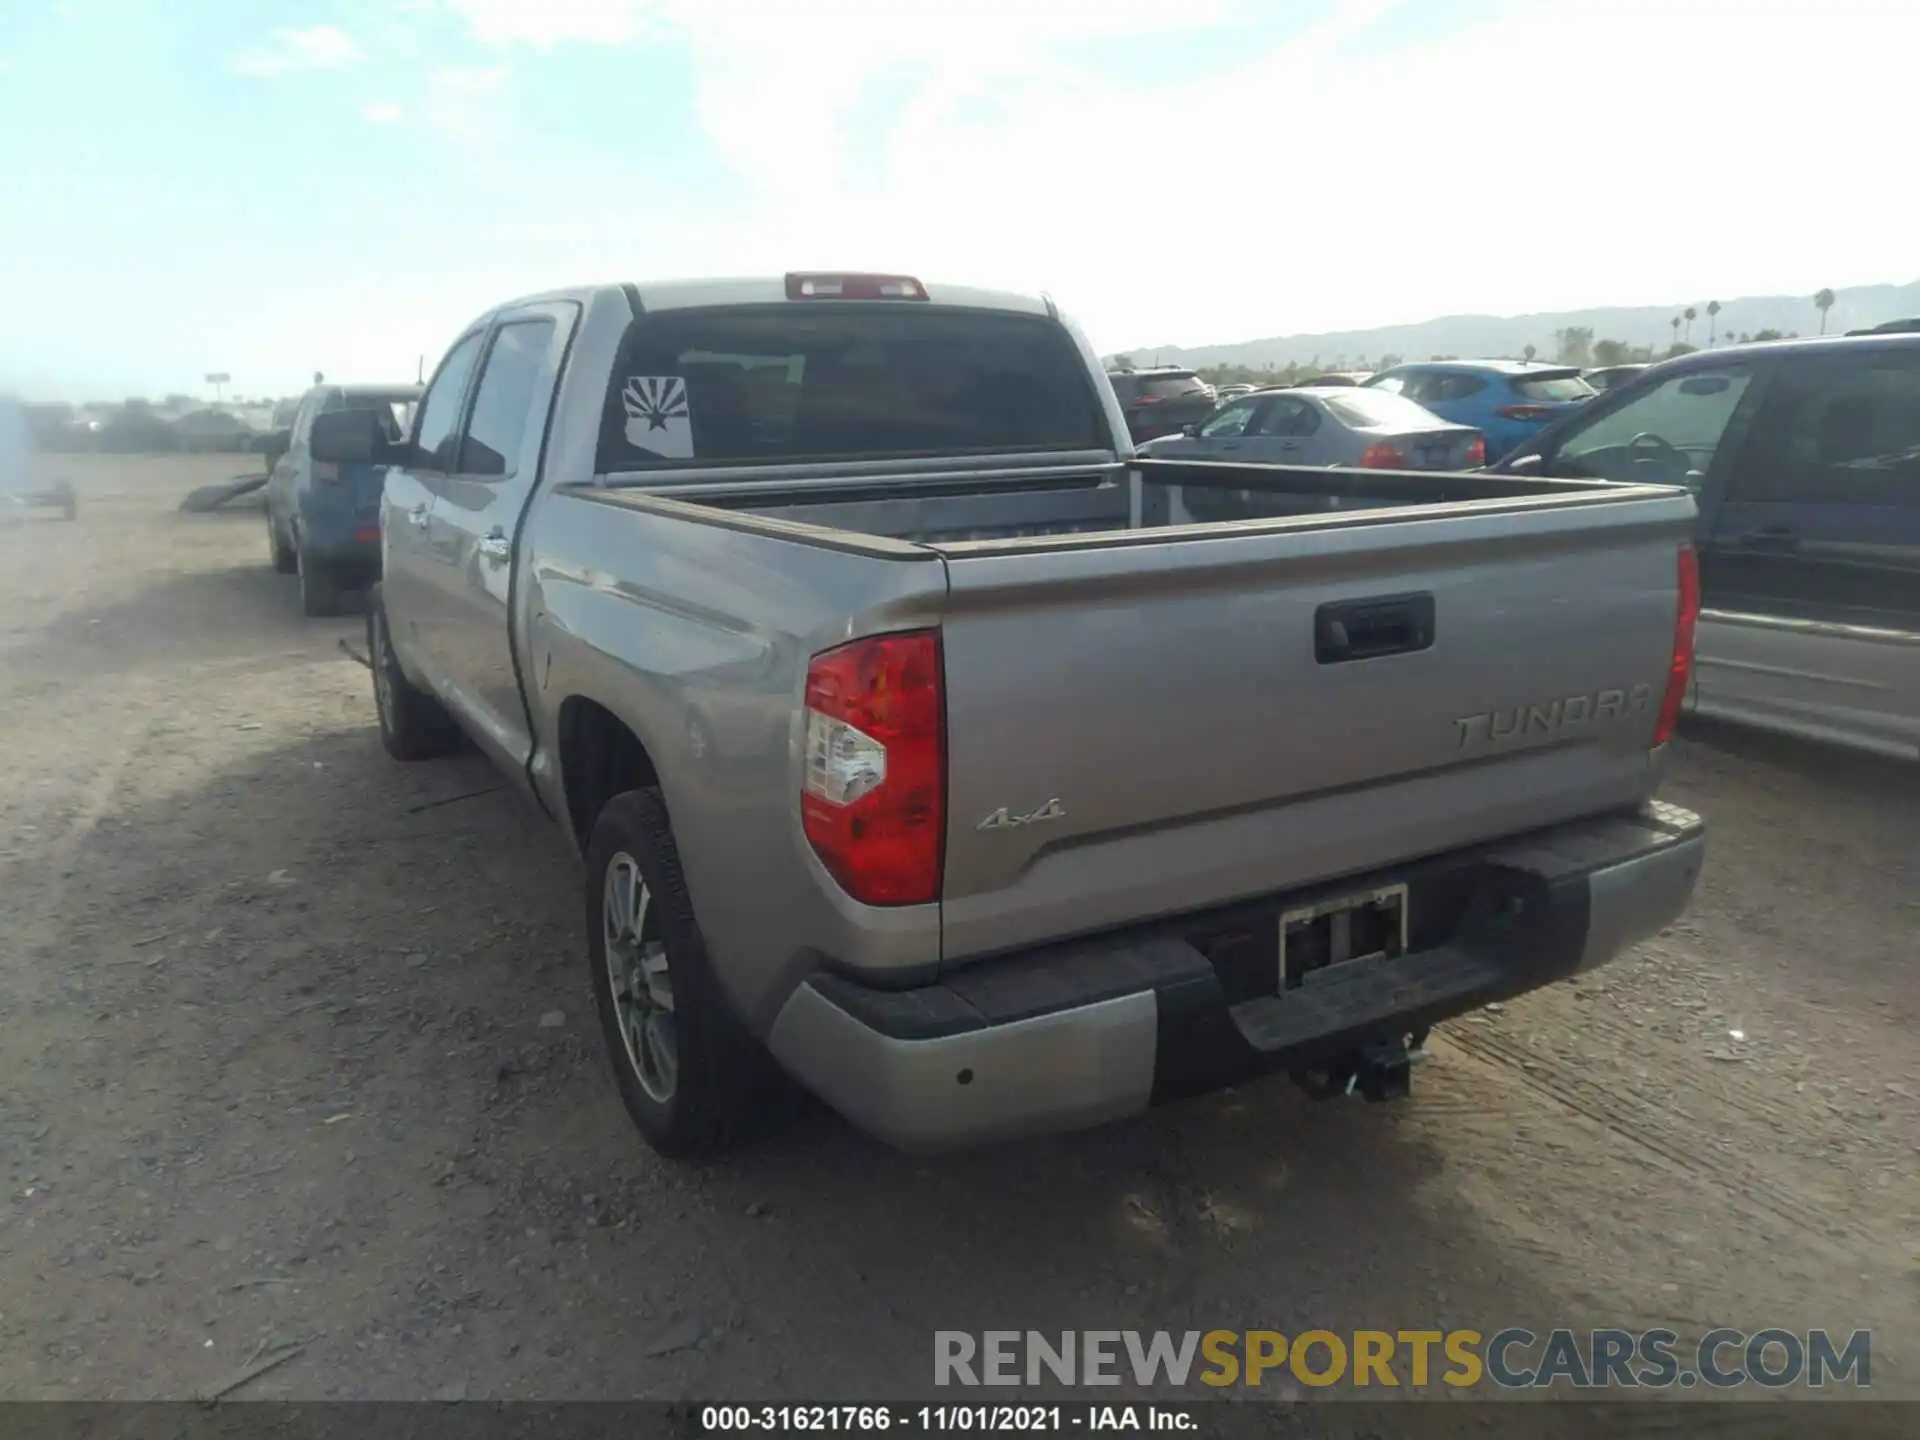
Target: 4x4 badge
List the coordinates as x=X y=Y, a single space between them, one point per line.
x=1005 y=819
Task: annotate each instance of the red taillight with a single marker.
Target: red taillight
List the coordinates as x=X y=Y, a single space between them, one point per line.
x=1524 y=412
x=1382 y=456
x=873 y=801
x=1476 y=451
x=1681 y=668
x=811 y=285
x=326 y=472
x=367 y=534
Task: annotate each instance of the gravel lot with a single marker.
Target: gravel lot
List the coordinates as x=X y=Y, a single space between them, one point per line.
x=299 y=1048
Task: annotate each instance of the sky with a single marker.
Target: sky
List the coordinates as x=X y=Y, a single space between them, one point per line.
x=199 y=186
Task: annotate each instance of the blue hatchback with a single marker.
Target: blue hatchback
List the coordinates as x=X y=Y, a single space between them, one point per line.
x=1508 y=401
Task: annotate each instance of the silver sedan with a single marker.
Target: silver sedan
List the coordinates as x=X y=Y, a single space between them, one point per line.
x=1326 y=425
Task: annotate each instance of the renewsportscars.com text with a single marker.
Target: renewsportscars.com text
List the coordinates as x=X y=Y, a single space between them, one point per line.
x=1507 y=1359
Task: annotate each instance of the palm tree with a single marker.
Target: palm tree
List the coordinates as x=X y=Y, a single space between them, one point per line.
x=1713 y=322
x=1676 y=329
x=1823 y=302
x=1529 y=352
x=1692 y=315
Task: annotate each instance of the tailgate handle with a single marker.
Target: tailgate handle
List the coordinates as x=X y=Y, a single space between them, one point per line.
x=1367 y=629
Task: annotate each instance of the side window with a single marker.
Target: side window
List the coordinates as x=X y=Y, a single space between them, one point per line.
x=1392 y=384
x=1290 y=417
x=505 y=401
x=1229 y=421
x=1838 y=431
x=440 y=409
x=1452 y=387
x=1668 y=435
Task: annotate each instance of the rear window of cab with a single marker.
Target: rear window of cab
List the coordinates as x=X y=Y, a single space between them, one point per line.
x=843 y=380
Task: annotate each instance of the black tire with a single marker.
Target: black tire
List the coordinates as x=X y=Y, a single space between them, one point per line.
x=284 y=561
x=726 y=1088
x=413 y=725
x=321 y=593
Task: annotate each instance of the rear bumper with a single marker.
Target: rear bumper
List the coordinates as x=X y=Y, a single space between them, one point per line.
x=1087 y=1032
x=342 y=542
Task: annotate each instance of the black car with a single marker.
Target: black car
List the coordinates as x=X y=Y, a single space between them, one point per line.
x=1161 y=401
x=1803 y=459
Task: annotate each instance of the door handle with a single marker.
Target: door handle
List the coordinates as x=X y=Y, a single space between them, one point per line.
x=1367 y=629
x=496 y=547
x=418 y=517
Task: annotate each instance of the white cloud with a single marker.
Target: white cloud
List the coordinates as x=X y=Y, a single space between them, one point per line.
x=465 y=102
x=323 y=47
x=551 y=22
x=384 y=112
x=1546 y=156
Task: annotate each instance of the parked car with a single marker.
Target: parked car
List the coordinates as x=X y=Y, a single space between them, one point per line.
x=1508 y=401
x=1223 y=393
x=1334 y=426
x=1804 y=458
x=323 y=516
x=1607 y=377
x=1160 y=401
x=20 y=487
x=822 y=612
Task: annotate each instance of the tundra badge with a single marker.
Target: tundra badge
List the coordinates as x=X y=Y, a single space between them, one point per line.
x=1005 y=819
x=1553 y=718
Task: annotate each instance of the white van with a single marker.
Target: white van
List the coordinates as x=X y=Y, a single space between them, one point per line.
x=18 y=490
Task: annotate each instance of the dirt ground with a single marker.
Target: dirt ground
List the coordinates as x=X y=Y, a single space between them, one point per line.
x=298 y=1047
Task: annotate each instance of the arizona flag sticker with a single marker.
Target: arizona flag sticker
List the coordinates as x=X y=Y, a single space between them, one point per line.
x=658 y=420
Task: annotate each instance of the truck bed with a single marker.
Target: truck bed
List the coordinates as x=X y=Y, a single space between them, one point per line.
x=1012 y=502
x=1221 y=681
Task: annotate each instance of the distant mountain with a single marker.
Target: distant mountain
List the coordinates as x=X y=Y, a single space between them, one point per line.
x=1498 y=335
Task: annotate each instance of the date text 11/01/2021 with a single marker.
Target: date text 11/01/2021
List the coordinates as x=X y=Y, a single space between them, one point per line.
x=716 y=1419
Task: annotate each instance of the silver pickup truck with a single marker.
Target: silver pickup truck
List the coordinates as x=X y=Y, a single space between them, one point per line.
x=921 y=739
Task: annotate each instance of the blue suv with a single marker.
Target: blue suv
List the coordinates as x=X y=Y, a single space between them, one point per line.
x=1508 y=401
x=323 y=520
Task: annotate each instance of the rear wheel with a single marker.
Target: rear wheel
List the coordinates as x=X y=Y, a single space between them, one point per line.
x=320 y=590
x=413 y=725
x=692 y=1078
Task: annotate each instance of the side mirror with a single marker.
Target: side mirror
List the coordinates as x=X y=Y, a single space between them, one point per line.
x=1190 y=430
x=1532 y=463
x=349 y=437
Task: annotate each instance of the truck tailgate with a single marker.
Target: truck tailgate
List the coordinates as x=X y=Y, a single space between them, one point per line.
x=1174 y=720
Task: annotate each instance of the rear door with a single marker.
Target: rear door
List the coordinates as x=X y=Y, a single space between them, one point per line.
x=408 y=584
x=476 y=514
x=1812 y=567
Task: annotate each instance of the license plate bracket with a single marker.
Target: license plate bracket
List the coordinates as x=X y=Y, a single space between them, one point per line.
x=1320 y=942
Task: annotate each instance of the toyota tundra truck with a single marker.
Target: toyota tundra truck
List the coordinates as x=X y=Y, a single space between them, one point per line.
x=926 y=746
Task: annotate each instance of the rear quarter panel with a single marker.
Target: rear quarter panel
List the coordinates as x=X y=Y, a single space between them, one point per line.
x=698 y=635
